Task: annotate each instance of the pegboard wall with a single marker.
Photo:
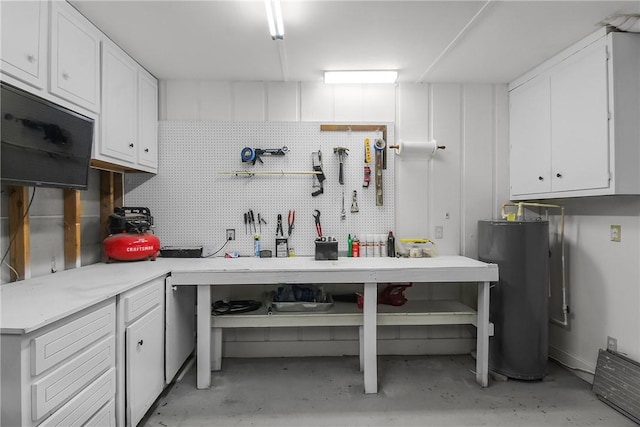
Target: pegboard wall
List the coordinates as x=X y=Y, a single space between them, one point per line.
x=193 y=204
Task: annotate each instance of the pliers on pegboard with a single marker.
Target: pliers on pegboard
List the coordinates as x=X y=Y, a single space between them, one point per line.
x=316 y=215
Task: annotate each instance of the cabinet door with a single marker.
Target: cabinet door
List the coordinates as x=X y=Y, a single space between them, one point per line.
x=24 y=38
x=119 y=105
x=179 y=327
x=530 y=135
x=75 y=57
x=579 y=114
x=144 y=364
x=147 y=121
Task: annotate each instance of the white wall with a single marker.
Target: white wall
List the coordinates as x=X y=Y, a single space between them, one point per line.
x=466 y=182
x=603 y=281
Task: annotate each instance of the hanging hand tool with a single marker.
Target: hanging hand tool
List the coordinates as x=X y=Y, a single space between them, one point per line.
x=341 y=152
x=316 y=215
x=354 y=202
x=367 y=151
x=379 y=145
x=316 y=159
x=343 y=213
x=252 y=220
x=367 y=177
x=291 y=218
x=252 y=155
x=246 y=220
x=279 y=227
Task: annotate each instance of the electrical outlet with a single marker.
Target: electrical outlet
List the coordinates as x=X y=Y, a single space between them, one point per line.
x=616 y=233
x=612 y=344
x=231 y=234
x=439 y=232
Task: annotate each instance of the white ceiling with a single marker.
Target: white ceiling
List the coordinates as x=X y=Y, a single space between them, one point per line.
x=426 y=41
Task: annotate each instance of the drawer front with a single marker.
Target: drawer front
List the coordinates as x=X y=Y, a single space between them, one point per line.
x=140 y=301
x=63 y=342
x=89 y=405
x=106 y=417
x=70 y=378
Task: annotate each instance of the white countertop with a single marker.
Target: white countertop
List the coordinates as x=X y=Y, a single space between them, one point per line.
x=31 y=304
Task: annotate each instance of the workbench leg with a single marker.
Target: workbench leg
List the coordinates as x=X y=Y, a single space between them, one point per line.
x=482 y=350
x=370 y=338
x=203 y=348
x=361 y=347
x=216 y=344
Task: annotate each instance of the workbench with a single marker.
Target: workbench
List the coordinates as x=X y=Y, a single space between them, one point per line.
x=368 y=272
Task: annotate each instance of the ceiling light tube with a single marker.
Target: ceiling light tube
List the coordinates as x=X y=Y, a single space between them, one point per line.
x=274 y=19
x=360 y=77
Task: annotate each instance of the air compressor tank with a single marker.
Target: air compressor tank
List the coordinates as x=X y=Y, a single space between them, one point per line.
x=519 y=301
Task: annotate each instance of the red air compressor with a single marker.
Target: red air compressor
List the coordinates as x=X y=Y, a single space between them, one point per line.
x=131 y=238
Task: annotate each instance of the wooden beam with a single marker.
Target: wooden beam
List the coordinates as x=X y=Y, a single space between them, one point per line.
x=111 y=196
x=20 y=256
x=72 y=229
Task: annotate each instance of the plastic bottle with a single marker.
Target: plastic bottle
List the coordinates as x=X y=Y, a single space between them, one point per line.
x=391 y=245
x=349 y=246
x=256 y=245
x=355 y=249
x=382 y=245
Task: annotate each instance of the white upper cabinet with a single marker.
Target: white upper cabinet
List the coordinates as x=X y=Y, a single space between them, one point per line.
x=147 y=120
x=119 y=105
x=24 y=41
x=129 y=118
x=75 y=57
x=573 y=121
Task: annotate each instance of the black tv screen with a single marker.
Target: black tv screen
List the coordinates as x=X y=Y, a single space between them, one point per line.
x=43 y=144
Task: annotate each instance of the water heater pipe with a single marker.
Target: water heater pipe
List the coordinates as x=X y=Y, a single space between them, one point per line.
x=520 y=216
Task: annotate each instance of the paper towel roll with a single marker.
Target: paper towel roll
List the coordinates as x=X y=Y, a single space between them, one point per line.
x=416 y=149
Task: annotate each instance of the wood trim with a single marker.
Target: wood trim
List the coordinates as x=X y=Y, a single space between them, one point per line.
x=362 y=128
x=72 y=229
x=20 y=255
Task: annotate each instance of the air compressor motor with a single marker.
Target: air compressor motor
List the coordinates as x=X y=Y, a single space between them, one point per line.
x=131 y=237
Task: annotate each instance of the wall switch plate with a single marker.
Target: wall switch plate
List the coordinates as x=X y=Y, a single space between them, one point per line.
x=439 y=232
x=616 y=233
x=231 y=234
x=612 y=344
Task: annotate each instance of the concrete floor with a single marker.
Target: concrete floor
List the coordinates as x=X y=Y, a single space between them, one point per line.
x=414 y=391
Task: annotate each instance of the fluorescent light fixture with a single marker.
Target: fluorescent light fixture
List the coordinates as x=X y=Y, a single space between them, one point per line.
x=274 y=18
x=362 y=77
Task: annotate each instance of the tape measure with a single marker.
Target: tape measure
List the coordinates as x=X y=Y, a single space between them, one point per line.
x=248 y=154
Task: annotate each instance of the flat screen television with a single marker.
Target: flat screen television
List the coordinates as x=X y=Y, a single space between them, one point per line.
x=43 y=144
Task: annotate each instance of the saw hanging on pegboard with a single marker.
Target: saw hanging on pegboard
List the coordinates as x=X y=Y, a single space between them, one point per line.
x=316 y=160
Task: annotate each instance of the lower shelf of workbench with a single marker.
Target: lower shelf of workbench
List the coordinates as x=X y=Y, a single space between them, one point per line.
x=417 y=312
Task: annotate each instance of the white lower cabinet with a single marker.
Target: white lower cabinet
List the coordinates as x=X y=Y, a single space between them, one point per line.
x=141 y=358
x=62 y=374
x=145 y=364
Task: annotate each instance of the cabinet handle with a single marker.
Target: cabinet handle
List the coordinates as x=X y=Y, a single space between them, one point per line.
x=131 y=145
x=31 y=57
x=140 y=342
x=174 y=288
x=65 y=76
x=146 y=150
x=540 y=178
x=558 y=175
